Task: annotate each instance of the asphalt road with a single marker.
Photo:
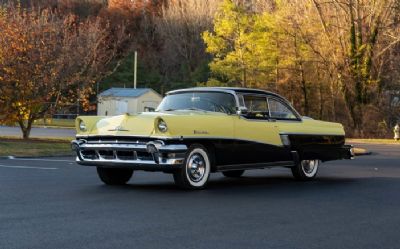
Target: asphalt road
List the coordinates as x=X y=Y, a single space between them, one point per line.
x=38 y=132
x=53 y=203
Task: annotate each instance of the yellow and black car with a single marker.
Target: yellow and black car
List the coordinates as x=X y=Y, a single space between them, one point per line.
x=198 y=131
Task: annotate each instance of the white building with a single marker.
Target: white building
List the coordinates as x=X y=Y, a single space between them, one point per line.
x=116 y=101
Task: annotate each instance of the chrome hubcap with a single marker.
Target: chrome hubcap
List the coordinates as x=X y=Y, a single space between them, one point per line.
x=196 y=167
x=309 y=166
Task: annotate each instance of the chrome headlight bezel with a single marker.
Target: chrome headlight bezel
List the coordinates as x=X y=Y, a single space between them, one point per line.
x=162 y=126
x=82 y=126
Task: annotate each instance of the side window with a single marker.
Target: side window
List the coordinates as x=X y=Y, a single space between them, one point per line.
x=280 y=110
x=257 y=106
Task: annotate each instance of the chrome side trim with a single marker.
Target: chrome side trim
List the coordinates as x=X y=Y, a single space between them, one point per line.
x=182 y=138
x=255 y=165
x=311 y=134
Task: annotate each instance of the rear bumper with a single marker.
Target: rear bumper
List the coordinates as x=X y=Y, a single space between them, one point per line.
x=348 y=151
x=327 y=153
x=153 y=155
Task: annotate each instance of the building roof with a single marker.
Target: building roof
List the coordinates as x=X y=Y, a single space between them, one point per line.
x=125 y=92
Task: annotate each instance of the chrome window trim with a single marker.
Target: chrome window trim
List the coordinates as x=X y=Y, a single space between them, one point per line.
x=254 y=94
x=189 y=90
x=289 y=107
x=235 y=91
x=280 y=99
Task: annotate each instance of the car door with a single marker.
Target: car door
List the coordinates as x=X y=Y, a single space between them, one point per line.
x=289 y=123
x=257 y=136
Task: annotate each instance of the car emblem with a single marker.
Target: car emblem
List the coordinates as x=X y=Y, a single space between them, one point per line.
x=200 y=132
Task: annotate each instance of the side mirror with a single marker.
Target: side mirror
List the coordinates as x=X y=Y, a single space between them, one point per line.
x=241 y=110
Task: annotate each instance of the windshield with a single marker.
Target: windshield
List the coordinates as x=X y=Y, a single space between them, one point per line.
x=205 y=101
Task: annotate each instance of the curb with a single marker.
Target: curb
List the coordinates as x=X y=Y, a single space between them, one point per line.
x=55 y=127
x=7 y=157
x=361 y=152
x=52 y=156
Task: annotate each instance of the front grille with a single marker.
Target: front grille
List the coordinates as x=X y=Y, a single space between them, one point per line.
x=116 y=155
x=106 y=154
x=89 y=154
x=126 y=155
x=144 y=155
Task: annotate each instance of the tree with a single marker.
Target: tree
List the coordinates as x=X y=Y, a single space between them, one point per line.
x=331 y=55
x=243 y=46
x=48 y=61
x=351 y=33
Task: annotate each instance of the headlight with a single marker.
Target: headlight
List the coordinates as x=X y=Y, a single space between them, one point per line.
x=82 y=126
x=162 y=126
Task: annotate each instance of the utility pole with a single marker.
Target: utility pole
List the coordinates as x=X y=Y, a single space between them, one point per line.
x=135 y=70
x=77 y=101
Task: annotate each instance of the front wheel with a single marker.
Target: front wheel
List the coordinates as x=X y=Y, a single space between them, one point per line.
x=305 y=170
x=114 y=176
x=195 y=171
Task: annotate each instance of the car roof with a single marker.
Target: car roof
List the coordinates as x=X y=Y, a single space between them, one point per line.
x=226 y=89
x=233 y=90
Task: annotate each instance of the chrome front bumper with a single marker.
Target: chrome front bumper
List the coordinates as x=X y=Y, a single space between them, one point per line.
x=153 y=155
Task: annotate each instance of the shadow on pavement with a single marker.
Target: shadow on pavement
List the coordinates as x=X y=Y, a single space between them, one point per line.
x=242 y=184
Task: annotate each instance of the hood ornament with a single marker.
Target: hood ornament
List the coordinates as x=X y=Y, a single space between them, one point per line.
x=119 y=128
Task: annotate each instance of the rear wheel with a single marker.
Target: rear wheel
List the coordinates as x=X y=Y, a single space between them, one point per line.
x=114 y=176
x=233 y=173
x=305 y=170
x=195 y=172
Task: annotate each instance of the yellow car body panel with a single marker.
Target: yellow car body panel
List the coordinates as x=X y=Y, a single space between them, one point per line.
x=197 y=124
x=310 y=126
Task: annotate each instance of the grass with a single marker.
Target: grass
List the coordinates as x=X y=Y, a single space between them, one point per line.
x=57 y=123
x=34 y=147
x=371 y=141
x=48 y=139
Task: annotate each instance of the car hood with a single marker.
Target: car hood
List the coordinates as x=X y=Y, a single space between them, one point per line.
x=145 y=124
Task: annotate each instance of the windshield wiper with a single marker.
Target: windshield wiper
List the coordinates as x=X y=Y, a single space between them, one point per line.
x=184 y=109
x=195 y=109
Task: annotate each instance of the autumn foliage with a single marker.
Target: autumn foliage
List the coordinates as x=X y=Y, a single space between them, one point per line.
x=327 y=57
x=333 y=60
x=49 y=60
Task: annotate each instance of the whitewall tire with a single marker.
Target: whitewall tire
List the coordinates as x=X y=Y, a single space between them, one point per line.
x=306 y=170
x=196 y=169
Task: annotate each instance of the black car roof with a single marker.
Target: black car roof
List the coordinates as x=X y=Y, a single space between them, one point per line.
x=226 y=89
x=233 y=90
